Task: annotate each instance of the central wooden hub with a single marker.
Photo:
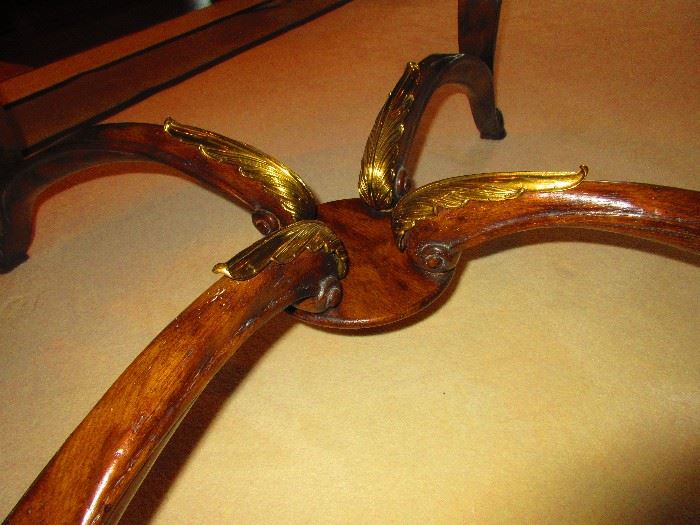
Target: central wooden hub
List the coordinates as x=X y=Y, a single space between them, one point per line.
x=382 y=285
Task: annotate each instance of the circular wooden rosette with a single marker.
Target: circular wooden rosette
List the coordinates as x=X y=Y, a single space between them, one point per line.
x=382 y=285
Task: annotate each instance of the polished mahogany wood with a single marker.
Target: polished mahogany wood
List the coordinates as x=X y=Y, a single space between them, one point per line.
x=666 y=215
x=386 y=285
x=478 y=27
x=110 y=143
x=99 y=467
x=382 y=285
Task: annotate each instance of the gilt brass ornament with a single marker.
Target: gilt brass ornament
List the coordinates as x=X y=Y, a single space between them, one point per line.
x=377 y=172
x=426 y=201
x=282 y=247
x=295 y=197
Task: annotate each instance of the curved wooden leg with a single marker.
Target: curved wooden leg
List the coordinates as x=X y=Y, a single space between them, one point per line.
x=478 y=26
x=468 y=72
x=384 y=177
x=273 y=193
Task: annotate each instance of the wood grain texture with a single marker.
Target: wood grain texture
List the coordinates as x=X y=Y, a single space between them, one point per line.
x=382 y=285
x=112 y=143
x=99 y=467
x=662 y=214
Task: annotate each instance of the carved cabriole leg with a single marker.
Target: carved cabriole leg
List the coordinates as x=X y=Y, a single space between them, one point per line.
x=272 y=192
x=97 y=470
x=478 y=27
x=383 y=176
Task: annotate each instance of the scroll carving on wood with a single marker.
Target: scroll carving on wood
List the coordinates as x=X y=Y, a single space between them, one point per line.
x=377 y=173
x=284 y=246
x=278 y=179
x=425 y=202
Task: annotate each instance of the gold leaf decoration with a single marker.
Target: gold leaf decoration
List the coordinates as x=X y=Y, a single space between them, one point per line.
x=377 y=173
x=284 y=246
x=277 y=178
x=425 y=202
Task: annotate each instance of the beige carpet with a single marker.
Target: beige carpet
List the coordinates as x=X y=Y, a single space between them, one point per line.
x=558 y=383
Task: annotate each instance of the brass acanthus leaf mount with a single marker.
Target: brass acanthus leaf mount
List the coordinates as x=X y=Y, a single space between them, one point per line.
x=279 y=180
x=426 y=201
x=282 y=247
x=377 y=171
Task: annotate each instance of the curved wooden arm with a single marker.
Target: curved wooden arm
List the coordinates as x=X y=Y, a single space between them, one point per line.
x=467 y=71
x=126 y=142
x=100 y=466
x=658 y=213
x=384 y=176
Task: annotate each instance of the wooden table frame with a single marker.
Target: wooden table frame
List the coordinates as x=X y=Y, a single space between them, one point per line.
x=304 y=256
